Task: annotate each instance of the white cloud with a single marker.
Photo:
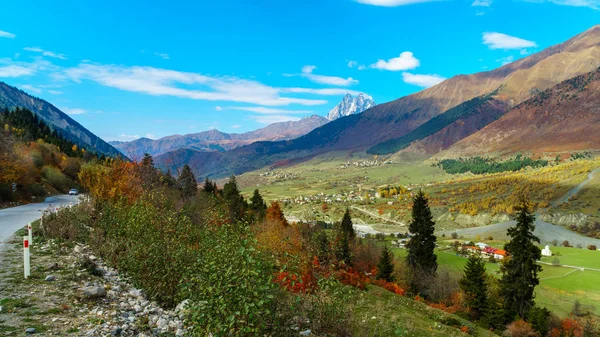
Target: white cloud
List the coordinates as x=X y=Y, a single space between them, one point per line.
x=218 y=108
x=124 y=136
x=267 y=111
x=352 y=64
x=73 y=111
x=593 y=4
x=482 y=3
x=7 y=35
x=322 y=92
x=420 y=80
x=405 y=61
x=307 y=72
x=55 y=92
x=236 y=126
x=30 y=88
x=502 y=41
x=15 y=71
x=150 y=136
x=270 y=119
x=11 y=68
x=164 y=82
x=506 y=60
x=392 y=3
x=162 y=55
x=45 y=52
x=362 y=67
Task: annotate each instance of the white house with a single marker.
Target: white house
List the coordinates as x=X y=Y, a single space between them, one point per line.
x=546 y=251
x=481 y=245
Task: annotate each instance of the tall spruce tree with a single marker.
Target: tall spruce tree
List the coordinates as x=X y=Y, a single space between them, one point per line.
x=421 y=257
x=474 y=285
x=385 y=266
x=258 y=205
x=234 y=200
x=187 y=182
x=209 y=187
x=346 y=225
x=520 y=270
x=342 y=248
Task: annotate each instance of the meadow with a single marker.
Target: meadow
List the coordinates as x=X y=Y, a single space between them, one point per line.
x=559 y=286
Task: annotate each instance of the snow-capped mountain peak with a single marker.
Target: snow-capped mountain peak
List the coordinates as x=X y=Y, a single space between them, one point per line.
x=351 y=105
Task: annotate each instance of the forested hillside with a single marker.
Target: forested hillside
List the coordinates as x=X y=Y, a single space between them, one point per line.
x=34 y=159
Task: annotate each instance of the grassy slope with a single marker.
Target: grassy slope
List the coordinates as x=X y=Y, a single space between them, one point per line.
x=559 y=286
x=394 y=315
x=322 y=174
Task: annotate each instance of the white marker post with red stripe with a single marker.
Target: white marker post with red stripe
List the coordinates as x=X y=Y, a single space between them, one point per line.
x=30 y=232
x=26 y=265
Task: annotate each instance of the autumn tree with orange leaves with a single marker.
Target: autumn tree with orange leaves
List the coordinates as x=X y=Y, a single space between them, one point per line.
x=275 y=214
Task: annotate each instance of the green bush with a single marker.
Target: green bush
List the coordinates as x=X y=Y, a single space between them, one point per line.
x=54 y=177
x=70 y=224
x=230 y=286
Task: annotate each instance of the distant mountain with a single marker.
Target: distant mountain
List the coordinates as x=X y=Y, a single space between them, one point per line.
x=214 y=140
x=510 y=85
x=564 y=118
x=351 y=106
x=11 y=97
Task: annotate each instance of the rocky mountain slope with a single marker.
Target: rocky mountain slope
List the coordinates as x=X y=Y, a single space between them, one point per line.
x=563 y=118
x=215 y=140
x=511 y=84
x=11 y=97
x=351 y=106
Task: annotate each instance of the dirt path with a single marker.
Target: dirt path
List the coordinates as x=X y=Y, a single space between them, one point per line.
x=545 y=231
x=576 y=189
x=377 y=216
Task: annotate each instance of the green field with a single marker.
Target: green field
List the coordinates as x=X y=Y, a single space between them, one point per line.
x=559 y=286
x=323 y=174
x=575 y=257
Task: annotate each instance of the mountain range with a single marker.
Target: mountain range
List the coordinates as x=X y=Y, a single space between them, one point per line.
x=215 y=140
x=11 y=97
x=543 y=104
x=351 y=106
x=426 y=122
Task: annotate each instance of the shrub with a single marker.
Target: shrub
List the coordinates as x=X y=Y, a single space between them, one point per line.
x=539 y=318
x=70 y=224
x=566 y=243
x=55 y=178
x=520 y=328
x=229 y=286
x=592 y=247
x=556 y=262
x=454 y=235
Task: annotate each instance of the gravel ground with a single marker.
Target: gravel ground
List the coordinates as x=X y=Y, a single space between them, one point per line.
x=62 y=298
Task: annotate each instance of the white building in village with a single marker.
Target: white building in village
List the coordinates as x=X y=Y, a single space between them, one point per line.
x=546 y=251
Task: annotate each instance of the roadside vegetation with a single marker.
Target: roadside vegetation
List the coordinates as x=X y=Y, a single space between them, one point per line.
x=246 y=270
x=35 y=160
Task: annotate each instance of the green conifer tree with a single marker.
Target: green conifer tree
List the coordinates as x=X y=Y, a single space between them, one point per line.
x=187 y=182
x=346 y=225
x=342 y=248
x=474 y=286
x=258 y=205
x=234 y=200
x=421 y=257
x=520 y=270
x=385 y=266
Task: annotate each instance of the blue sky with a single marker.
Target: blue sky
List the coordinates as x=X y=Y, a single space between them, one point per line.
x=156 y=68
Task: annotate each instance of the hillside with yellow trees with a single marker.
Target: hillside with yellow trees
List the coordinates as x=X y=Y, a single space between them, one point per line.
x=35 y=161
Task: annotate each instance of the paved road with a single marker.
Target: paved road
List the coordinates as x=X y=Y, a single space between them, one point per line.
x=14 y=218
